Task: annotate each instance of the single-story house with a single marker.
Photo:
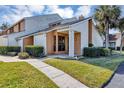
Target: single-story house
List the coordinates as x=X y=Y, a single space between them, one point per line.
x=55 y=34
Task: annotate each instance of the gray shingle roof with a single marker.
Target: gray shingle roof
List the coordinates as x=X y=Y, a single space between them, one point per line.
x=65 y=24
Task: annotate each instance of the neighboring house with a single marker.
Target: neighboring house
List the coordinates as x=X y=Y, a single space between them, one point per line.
x=56 y=35
x=115 y=40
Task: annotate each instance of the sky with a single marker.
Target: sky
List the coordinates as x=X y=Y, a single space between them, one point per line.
x=13 y=13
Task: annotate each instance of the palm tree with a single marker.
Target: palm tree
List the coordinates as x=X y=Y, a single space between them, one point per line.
x=107 y=16
x=101 y=28
x=121 y=29
x=4 y=26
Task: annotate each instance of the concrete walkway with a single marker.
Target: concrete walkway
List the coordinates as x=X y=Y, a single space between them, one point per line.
x=118 y=79
x=62 y=79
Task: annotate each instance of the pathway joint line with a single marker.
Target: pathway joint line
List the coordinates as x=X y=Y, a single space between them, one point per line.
x=58 y=75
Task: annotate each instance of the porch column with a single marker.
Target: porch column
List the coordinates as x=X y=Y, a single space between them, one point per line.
x=45 y=43
x=56 y=42
x=20 y=43
x=71 y=43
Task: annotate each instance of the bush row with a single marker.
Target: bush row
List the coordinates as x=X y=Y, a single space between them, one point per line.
x=96 y=51
x=35 y=51
x=5 y=49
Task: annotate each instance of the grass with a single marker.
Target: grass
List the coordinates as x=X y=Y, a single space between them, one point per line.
x=110 y=62
x=118 y=52
x=90 y=75
x=93 y=72
x=22 y=75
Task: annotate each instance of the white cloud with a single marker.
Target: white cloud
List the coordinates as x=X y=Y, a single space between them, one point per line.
x=66 y=12
x=83 y=10
x=12 y=14
x=36 y=8
x=18 y=12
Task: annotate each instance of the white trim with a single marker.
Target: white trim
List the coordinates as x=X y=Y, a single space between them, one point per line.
x=45 y=43
x=20 y=43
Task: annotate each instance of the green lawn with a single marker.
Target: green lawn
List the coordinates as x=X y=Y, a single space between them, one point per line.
x=93 y=72
x=118 y=52
x=110 y=63
x=22 y=75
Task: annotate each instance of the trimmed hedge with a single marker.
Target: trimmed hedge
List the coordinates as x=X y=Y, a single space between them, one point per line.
x=35 y=51
x=5 y=49
x=14 y=49
x=96 y=51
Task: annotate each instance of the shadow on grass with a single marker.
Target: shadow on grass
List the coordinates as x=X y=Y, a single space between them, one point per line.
x=111 y=62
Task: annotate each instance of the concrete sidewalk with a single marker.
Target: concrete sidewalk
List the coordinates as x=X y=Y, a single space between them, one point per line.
x=118 y=79
x=61 y=79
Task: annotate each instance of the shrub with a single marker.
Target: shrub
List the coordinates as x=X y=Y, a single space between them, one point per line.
x=35 y=51
x=96 y=52
x=91 y=52
x=5 y=49
x=23 y=55
x=90 y=45
x=104 y=52
x=112 y=48
x=14 y=49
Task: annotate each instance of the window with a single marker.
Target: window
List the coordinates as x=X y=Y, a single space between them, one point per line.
x=112 y=44
x=54 y=24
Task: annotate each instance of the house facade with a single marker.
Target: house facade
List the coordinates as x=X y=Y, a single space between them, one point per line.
x=55 y=34
x=115 y=40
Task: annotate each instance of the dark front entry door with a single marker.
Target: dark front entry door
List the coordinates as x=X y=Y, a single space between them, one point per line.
x=61 y=43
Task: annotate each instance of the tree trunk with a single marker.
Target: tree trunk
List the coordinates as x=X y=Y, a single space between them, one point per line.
x=121 y=45
x=107 y=36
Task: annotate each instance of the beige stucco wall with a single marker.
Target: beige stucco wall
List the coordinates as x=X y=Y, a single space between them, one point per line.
x=77 y=43
x=16 y=28
x=22 y=25
x=28 y=41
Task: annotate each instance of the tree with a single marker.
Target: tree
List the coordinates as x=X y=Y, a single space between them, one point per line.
x=121 y=29
x=107 y=17
x=4 y=26
x=101 y=28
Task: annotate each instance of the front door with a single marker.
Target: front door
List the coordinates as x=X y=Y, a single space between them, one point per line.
x=61 y=43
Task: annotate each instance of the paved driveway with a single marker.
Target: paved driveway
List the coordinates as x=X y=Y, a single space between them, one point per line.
x=118 y=79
